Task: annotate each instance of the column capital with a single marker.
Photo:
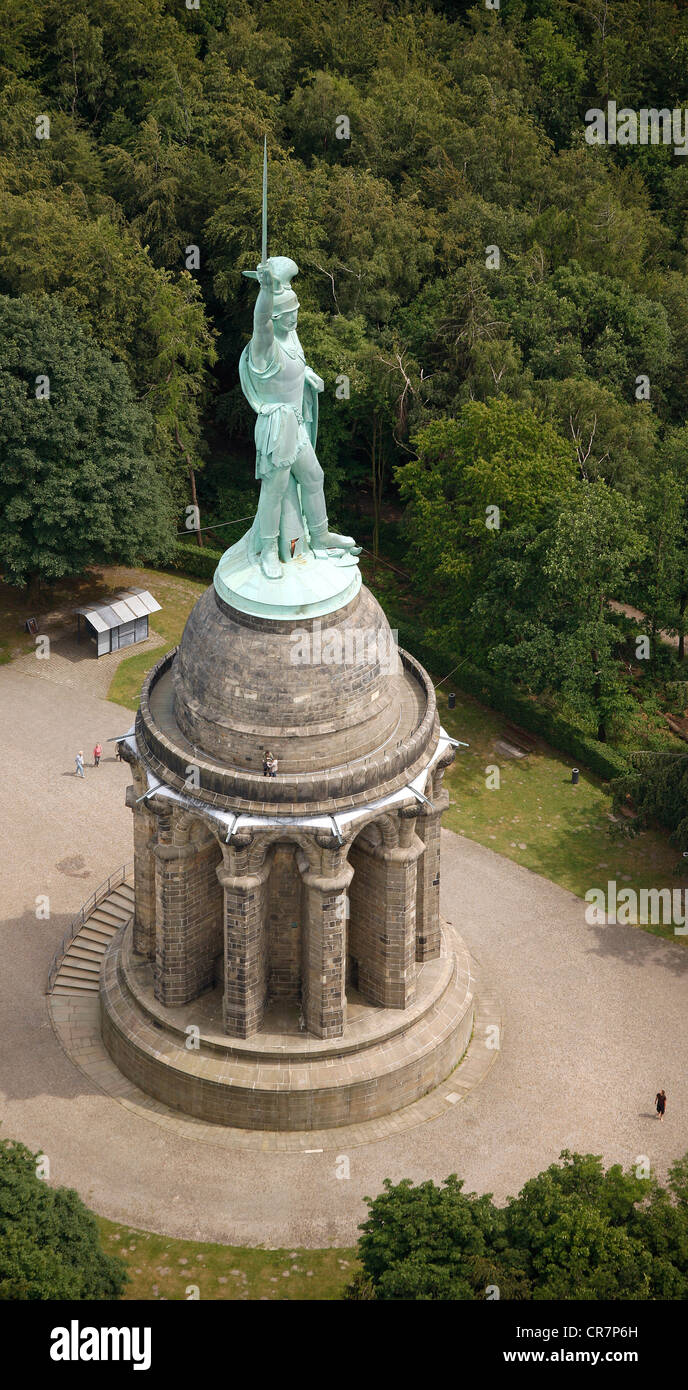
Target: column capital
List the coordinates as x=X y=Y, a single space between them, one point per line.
x=329 y=883
x=398 y=854
x=242 y=882
x=445 y=759
x=165 y=851
x=440 y=803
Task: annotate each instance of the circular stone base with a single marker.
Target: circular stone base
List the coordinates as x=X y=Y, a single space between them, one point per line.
x=286 y=1080
x=311 y=585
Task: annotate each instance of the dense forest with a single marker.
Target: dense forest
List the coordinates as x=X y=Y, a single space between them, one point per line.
x=499 y=308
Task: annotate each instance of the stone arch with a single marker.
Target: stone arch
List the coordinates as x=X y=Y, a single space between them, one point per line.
x=284 y=928
x=371 y=835
x=388 y=826
x=288 y=914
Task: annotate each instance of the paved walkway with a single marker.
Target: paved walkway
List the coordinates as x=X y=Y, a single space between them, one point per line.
x=595 y=1023
x=75 y=664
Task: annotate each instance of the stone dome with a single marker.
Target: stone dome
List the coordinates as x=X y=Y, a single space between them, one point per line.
x=334 y=699
x=316 y=691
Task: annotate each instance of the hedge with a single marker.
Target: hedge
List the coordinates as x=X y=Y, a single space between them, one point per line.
x=196 y=561
x=597 y=757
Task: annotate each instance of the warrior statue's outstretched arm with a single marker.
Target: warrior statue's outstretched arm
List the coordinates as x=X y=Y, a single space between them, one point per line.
x=263 y=333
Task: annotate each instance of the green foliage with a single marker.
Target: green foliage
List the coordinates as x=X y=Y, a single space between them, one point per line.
x=534 y=716
x=153 y=323
x=77 y=484
x=591 y=547
x=196 y=561
x=517 y=384
x=557 y=71
x=464 y=132
x=657 y=785
x=49 y=1242
x=495 y=454
x=523 y=556
x=576 y=1231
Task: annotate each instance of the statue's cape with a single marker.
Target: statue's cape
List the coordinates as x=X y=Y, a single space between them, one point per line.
x=251 y=379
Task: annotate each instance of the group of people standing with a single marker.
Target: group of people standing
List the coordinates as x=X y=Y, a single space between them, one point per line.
x=269 y=765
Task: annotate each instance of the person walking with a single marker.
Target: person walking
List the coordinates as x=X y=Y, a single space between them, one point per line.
x=97 y=755
x=79 y=760
x=660 y=1102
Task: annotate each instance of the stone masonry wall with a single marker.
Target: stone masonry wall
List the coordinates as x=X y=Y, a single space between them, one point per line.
x=382 y=922
x=245 y=897
x=428 y=893
x=145 y=832
x=366 y=909
x=284 y=918
x=189 y=920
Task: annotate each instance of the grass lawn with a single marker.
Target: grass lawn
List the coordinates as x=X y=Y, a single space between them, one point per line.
x=56 y=604
x=540 y=820
x=162 y=1268
x=61 y=598
x=177 y=596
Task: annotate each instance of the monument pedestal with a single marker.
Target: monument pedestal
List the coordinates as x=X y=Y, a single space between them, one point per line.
x=295 y=919
x=284 y=1078
x=311 y=586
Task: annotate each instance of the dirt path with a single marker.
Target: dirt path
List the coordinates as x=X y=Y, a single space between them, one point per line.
x=669 y=638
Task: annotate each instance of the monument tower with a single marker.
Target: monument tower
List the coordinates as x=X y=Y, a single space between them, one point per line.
x=286 y=966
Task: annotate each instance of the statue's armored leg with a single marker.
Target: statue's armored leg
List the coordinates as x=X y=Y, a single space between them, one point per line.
x=310 y=476
x=293 y=529
x=272 y=490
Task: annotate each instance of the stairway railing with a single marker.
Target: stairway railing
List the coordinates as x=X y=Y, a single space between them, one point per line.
x=97 y=897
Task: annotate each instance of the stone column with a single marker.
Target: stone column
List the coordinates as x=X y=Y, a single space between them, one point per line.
x=245 y=907
x=428 y=934
x=188 y=903
x=145 y=835
x=172 y=863
x=383 y=921
x=324 y=947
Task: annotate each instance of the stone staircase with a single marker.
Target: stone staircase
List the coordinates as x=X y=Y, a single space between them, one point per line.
x=79 y=970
